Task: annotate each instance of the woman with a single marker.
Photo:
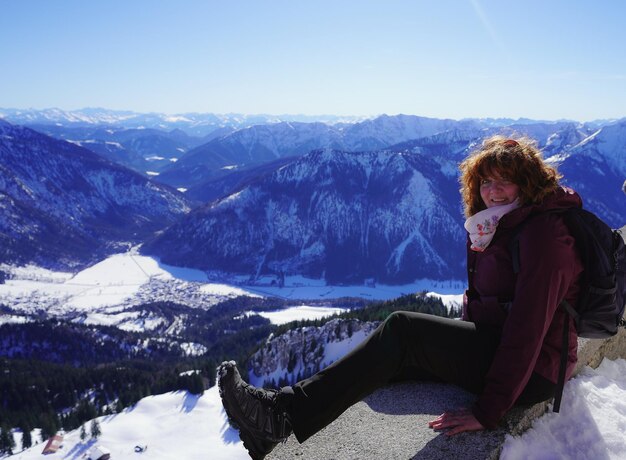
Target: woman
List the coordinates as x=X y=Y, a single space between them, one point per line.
x=506 y=350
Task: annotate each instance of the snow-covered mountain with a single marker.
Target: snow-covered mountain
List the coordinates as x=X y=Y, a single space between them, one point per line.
x=386 y=130
x=607 y=143
x=149 y=143
x=343 y=216
x=140 y=149
x=218 y=184
x=194 y=124
x=63 y=205
x=265 y=143
x=299 y=353
x=391 y=215
x=249 y=147
x=295 y=225
x=592 y=161
x=596 y=168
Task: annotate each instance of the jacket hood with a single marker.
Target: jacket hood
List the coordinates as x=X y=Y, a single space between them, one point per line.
x=562 y=198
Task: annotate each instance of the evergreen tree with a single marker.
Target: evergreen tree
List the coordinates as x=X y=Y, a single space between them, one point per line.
x=49 y=426
x=83 y=433
x=196 y=384
x=85 y=411
x=95 y=429
x=7 y=443
x=27 y=439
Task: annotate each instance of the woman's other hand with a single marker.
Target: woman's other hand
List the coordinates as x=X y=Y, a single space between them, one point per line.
x=457 y=421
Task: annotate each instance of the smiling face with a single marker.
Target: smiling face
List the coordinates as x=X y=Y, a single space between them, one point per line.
x=497 y=191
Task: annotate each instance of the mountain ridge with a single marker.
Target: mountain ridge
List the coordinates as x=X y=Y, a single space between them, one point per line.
x=344 y=216
x=61 y=201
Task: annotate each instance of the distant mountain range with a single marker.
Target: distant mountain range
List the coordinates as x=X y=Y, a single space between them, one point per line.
x=259 y=144
x=194 y=124
x=147 y=143
x=369 y=200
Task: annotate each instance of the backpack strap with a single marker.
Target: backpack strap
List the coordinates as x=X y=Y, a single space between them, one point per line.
x=514 y=242
x=514 y=251
x=560 y=383
x=565 y=305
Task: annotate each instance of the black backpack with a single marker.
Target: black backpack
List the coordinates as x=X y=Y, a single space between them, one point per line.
x=600 y=309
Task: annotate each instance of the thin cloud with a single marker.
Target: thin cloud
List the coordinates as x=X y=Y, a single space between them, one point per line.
x=489 y=28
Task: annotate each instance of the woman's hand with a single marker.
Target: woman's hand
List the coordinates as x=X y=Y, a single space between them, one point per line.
x=458 y=421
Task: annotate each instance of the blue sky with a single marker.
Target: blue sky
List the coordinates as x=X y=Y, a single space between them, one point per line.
x=440 y=58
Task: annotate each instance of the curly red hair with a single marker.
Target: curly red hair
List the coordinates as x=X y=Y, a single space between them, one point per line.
x=518 y=160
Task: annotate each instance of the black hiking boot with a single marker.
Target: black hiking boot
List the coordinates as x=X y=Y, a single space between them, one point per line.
x=259 y=415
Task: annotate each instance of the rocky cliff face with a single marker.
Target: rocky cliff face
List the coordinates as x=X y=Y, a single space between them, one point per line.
x=300 y=353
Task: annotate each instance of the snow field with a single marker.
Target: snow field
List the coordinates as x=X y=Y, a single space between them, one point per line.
x=100 y=291
x=302 y=312
x=590 y=425
x=174 y=426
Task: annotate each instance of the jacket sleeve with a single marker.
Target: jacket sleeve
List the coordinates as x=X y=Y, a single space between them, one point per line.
x=548 y=266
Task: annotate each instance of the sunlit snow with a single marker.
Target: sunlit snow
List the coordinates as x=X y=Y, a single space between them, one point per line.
x=118 y=280
x=302 y=312
x=178 y=425
x=129 y=279
x=173 y=426
x=590 y=425
x=13 y=319
x=299 y=287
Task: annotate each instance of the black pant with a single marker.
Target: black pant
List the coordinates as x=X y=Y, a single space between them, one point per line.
x=405 y=345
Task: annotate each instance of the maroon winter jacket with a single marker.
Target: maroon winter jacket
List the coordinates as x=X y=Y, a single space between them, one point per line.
x=533 y=325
